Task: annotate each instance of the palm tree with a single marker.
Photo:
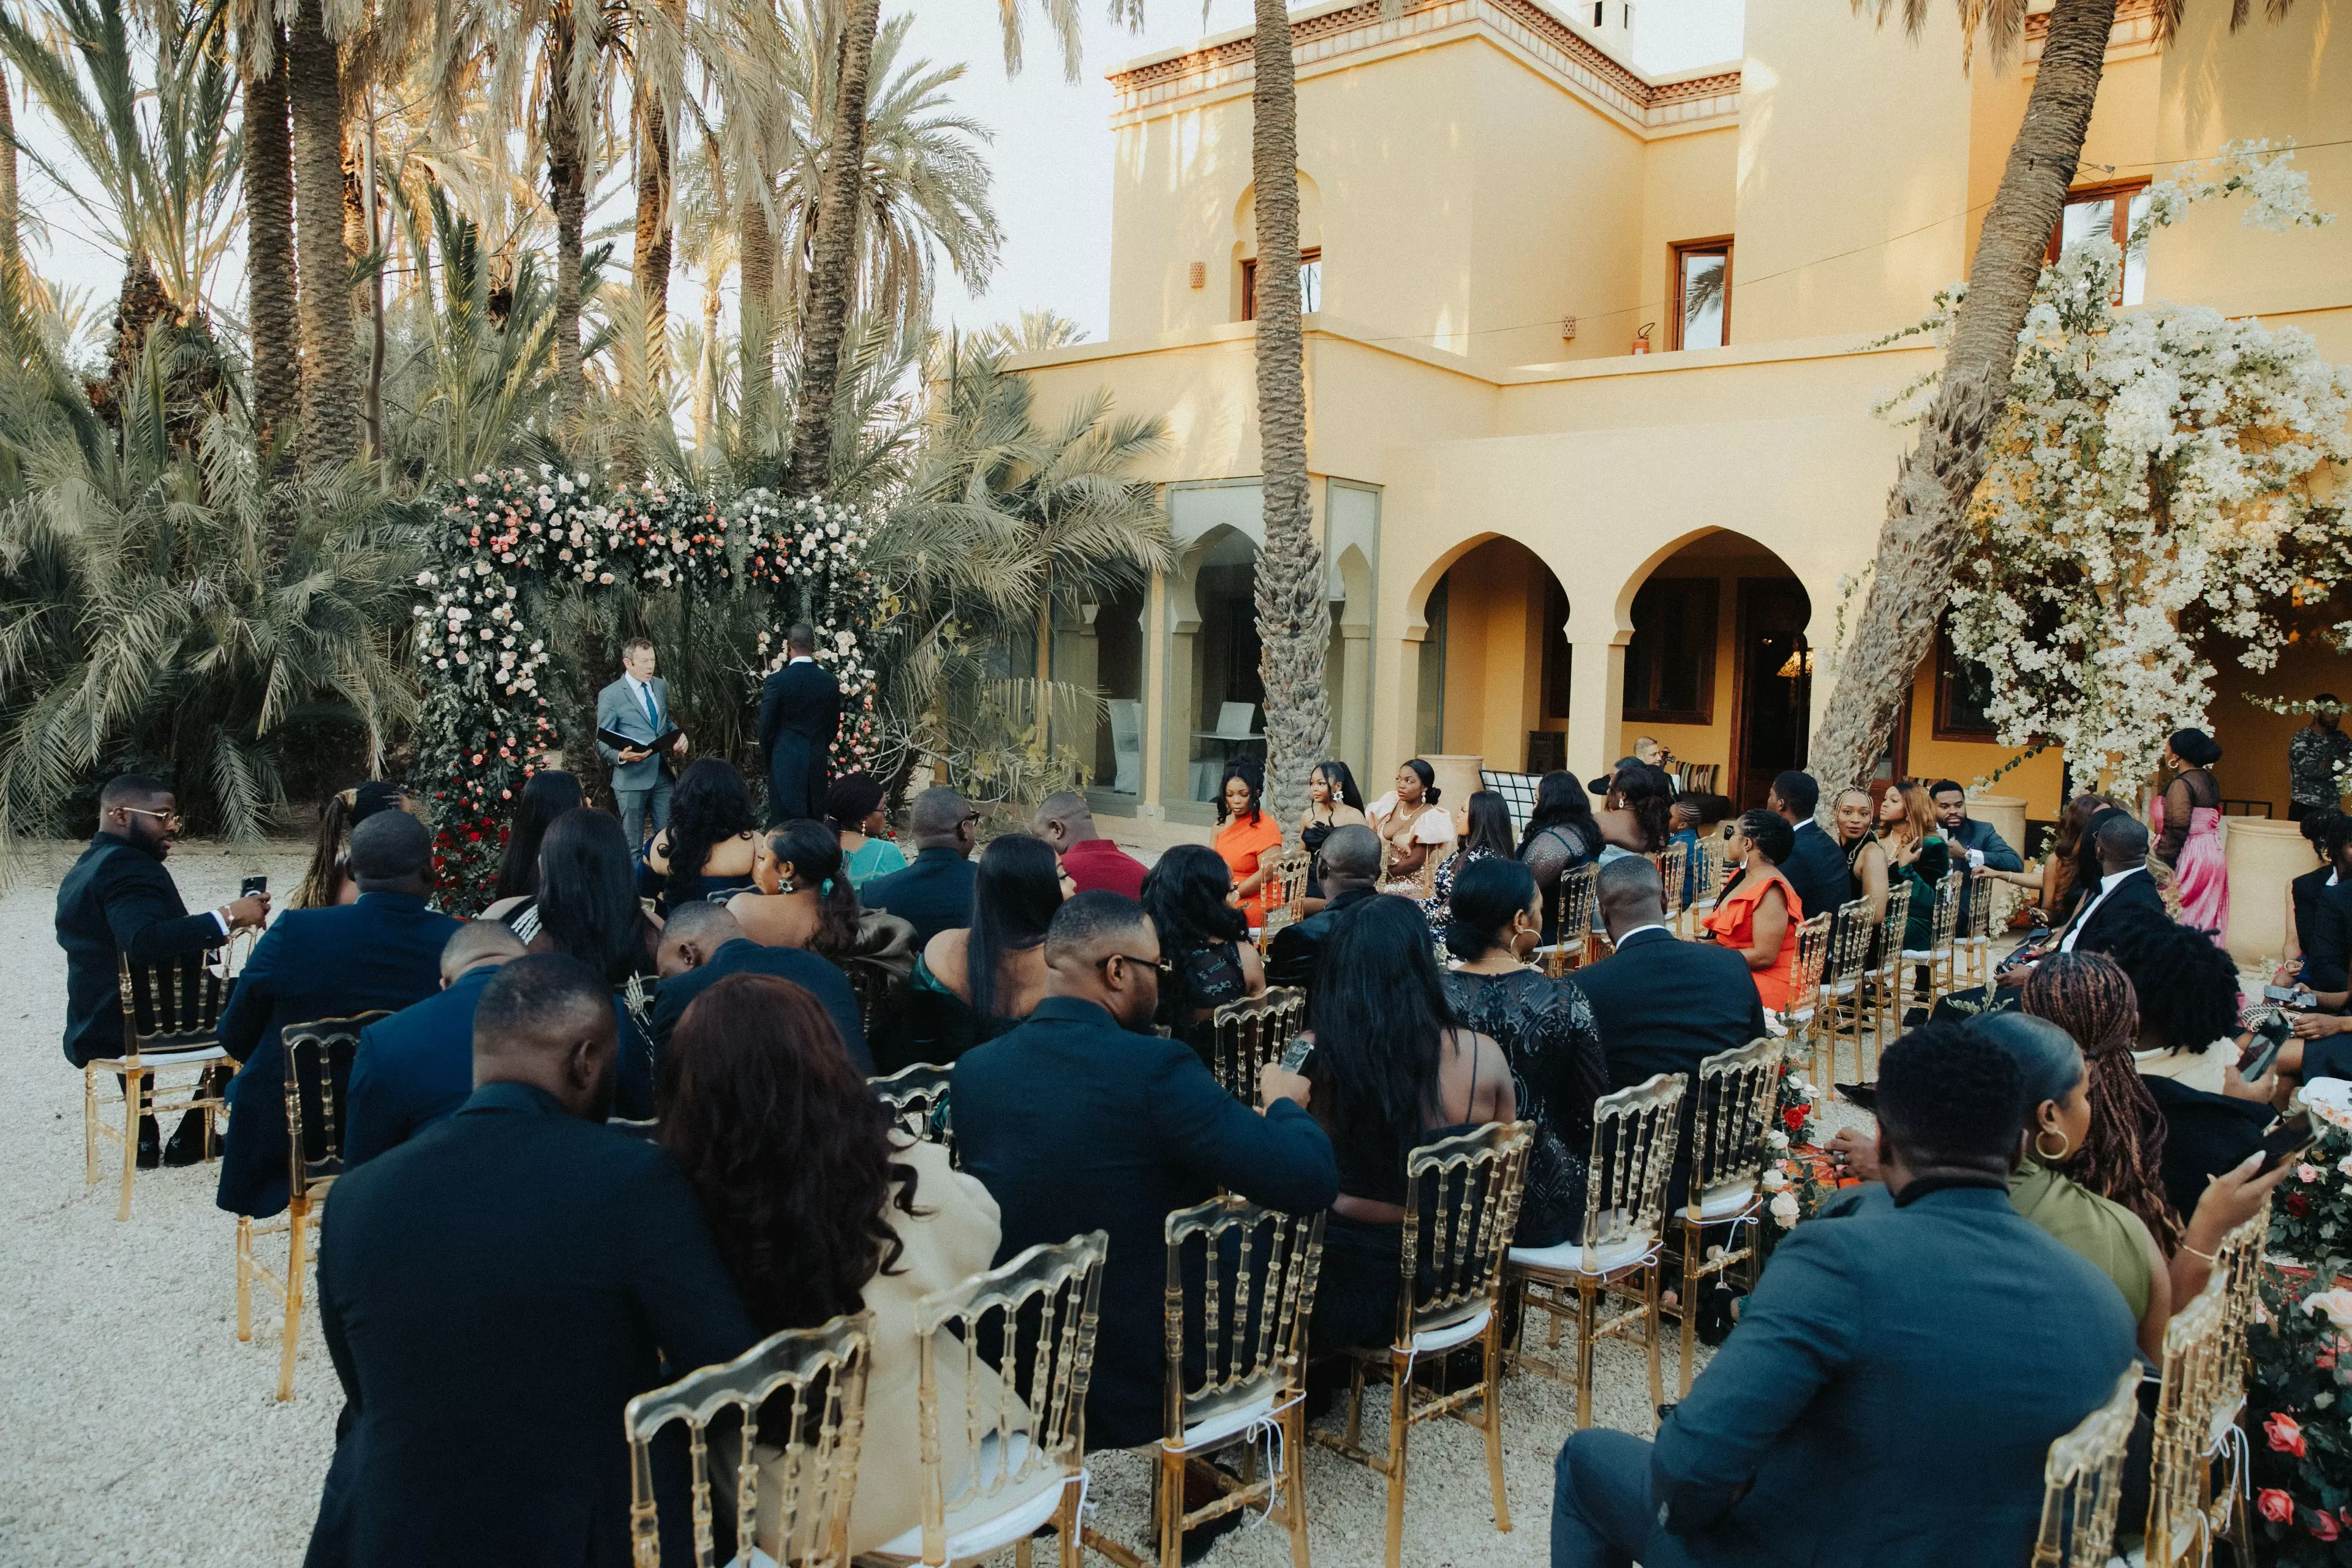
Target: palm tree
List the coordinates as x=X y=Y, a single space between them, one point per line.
x=11 y=251
x=1926 y=510
x=272 y=299
x=1034 y=332
x=331 y=388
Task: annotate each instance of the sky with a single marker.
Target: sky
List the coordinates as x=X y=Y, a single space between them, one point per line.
x=1052 y=152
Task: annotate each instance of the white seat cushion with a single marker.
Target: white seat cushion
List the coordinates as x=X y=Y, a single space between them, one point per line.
x=168 y=1056
x=1725 y=1201
x=1431 y=1341
x=1227 y=1423
x=986 y=1523
x=1568 y=1258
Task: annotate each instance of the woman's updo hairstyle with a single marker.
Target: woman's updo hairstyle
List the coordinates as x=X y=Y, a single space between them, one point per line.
x=1428 y=778
x=1488 y=894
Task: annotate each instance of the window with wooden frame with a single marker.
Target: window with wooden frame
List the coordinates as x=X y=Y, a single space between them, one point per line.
x=1310 y=284
x=1670 y=662
x=1698 y=284
x=1963 y=694
x=2107 y=212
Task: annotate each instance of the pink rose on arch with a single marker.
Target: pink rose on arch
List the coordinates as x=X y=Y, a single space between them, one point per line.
x=2275 y=1506
x=2323 y=1525
x=2306 y=1174
x=2285 y=1434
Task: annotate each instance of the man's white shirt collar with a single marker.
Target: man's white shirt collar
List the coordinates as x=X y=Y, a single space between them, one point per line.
x=1654 y=925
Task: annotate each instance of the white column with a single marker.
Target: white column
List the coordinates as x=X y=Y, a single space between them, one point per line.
x=1596 y=705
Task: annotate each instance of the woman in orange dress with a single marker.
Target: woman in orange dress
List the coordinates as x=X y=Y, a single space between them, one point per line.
x=1246 y=837
x=1759 y=914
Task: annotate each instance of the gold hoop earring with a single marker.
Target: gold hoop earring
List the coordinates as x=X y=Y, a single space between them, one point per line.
x=2045 y=1156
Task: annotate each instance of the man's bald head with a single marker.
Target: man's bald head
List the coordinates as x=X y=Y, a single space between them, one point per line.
x=475 y=944
x=1065 y=819
x=2122 y=841
x=1631 y=894
x=691 y=934
x=1101 y=948
x=392 y=852
x=546 y=1020
x=1351 y=856
x=940 y=819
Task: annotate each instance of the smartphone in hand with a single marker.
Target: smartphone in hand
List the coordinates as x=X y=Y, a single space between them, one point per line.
x=2287 y=1140
x=1295 y=1055
x=253 y=885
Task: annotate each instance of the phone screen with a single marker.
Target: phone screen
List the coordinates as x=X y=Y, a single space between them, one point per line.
x=2291 y=1137
x=2284 y=994
x=253 y=885
x=2259 y=1061
x=1295 y=1055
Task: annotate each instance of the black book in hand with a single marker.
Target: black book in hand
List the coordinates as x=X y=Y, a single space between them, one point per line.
x=621 y=743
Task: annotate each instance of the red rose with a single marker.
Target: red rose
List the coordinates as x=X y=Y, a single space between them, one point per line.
x=2297 y=1204
x=2274 y=1505
x=2284 y=1435
x=1793 y=1118
x=2323 y=1525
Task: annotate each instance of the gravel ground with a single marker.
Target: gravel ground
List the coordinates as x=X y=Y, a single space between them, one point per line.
x=134 y=1427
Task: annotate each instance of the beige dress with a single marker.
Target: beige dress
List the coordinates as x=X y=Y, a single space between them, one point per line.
x=952 y=1235
x=1433 y=827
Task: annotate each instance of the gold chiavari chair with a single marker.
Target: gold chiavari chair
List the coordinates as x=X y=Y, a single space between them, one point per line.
x=811 y=1384
x=318 y=1068
x=1936 y=956
x=1252 y=1032
x=1025 y=1336
x=918 y=1098
x=1283 y=895
x=2238 y=1260
x=1972 y=934
x=1461 y=1205
x=1887 y=981
x=2082 y=1482
x=2192 y=1419
x=1844 y=1008
x=170 y=1024
x=1240 y=1281
x=1673 y=868
x=1573 y=946
x=1634 y=1133
x=1738 y=1093
x=1802 y=1016
x=1707 y=883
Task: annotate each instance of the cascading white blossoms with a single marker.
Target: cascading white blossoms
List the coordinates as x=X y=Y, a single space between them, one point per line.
x=2159 y=490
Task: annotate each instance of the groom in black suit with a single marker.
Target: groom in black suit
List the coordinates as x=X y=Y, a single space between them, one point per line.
x=800 y=714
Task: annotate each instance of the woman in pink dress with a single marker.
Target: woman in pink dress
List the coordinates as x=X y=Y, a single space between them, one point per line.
x=2186 y=819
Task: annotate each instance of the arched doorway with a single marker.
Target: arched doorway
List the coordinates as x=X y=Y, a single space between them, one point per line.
x=1217 y=695
x=1495 y=662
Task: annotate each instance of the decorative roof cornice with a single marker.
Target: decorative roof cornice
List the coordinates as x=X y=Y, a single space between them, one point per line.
x=1349 y=30
x=2134 y=29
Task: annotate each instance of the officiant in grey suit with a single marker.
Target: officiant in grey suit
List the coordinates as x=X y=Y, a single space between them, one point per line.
x=636 y=707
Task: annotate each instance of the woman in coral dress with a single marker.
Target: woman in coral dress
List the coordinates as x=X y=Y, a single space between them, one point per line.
x=2187 y=821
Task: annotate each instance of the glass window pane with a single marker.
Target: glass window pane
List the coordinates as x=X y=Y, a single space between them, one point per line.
x=2136 y=256
x=2087 y=220
x=1310 y=286
x=1703 y=300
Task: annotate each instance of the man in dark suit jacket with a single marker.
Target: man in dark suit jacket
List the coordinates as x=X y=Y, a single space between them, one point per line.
x=1816 y=865
x=495 y=1289
x=1082 y=1119
x=2127 y=894
x=118 y=899
x=800 y=716
x=384 y=952
x=1348 y=869
x=1861 y=1414
x=1661 y=1004
x=702 y=945
x=934 y=894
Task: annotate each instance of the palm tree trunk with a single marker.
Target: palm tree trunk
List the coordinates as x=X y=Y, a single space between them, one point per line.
x=706 y=371
x=567 y=179
x=646 y=371
x=1925 y=511
x=757 y=265
x=1294 y=620
x=833 y=266
x=371 y=220
x=11 y=254
x=331 y=393
x=272 y=302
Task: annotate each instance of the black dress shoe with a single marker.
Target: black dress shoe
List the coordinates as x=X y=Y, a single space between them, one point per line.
x=188 y=1143
x=151 y=1143
x=1865 y=1095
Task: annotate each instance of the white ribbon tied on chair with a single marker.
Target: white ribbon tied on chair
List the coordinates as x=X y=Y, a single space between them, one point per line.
x=1265 y=1430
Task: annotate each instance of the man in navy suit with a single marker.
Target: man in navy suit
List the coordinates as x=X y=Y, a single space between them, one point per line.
x=384 y=952
x=934 y=894
x=1816 y=866
x=1082 y=1119
x=800 y=716
x=2127 y=895
x=702 y=944
x=493 y=1293
x=1862 y=1411
x=1349 y=872
x=1661 y=1004
x=636 y=706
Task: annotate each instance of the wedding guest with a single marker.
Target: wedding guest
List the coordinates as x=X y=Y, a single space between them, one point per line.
x=328 y=880
x=935 y=892
x=1487 y=834
x=2126 y=897
x=2057 y=888
x=1976 y=842
x=587 y=901
x=1415 y=831
x=1758 y=917
x=1861 y=1414
x=1091 y=862
x=703 y=944
x=1546 y=1030
x=384 y=952
x=710 y=843
x=2316 y=757
x=1560 y=837
x=1915 y=854
x=1332 y=801
x=2327 y=832
x=1246 y=836
x=2187 y=821
x=417 y=1065
x=495 y=1289
x=1853 y=814
x=1635 y=816
x=854 y=807
x=820 y=1206
x=2325 y=931
x=547 y=796
x=119 y=901
x=973 y=983
x=1815 y=866
x=1204 y=942
x=1693 y=819
x=1392 y=1069
x=799 y=896
x=1082 y=1120
x=1349 y=866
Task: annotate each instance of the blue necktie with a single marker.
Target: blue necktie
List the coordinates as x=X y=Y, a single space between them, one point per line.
x=652 y=717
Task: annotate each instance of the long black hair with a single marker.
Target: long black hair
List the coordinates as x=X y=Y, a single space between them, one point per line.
x=710 y=805
x=1649 y=794
x=1014 y=894
x=813 y=852
x=1185 y=896
x=1341 y=783
x=1488 y=895
x=1380 y=1038
x=549 y=794
x=588 y=894
x=1246 y=769
x=1562 y=802
x=1489 y=824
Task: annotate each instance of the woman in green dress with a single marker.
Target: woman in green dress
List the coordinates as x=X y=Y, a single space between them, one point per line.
x=854 y=807
x=1916 y=854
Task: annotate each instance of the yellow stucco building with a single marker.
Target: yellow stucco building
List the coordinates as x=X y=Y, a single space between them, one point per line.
x=1562 y=508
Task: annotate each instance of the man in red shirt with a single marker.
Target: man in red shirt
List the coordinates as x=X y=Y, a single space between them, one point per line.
x=1092 y=863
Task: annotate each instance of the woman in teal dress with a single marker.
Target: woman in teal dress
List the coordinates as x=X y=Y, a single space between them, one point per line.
x=1916 y=854
x=854 y=807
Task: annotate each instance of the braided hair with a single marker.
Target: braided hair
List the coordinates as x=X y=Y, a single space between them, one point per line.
x=2122 y=1158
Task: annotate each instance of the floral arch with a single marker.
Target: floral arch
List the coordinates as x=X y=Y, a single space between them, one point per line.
x=507 y=547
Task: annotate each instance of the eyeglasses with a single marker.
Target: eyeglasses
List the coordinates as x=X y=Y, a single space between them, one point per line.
x=1152 y=963
x=968 y=819
x=170 y=819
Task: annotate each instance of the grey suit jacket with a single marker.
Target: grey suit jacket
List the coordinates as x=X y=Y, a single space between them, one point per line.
x=617 y=708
